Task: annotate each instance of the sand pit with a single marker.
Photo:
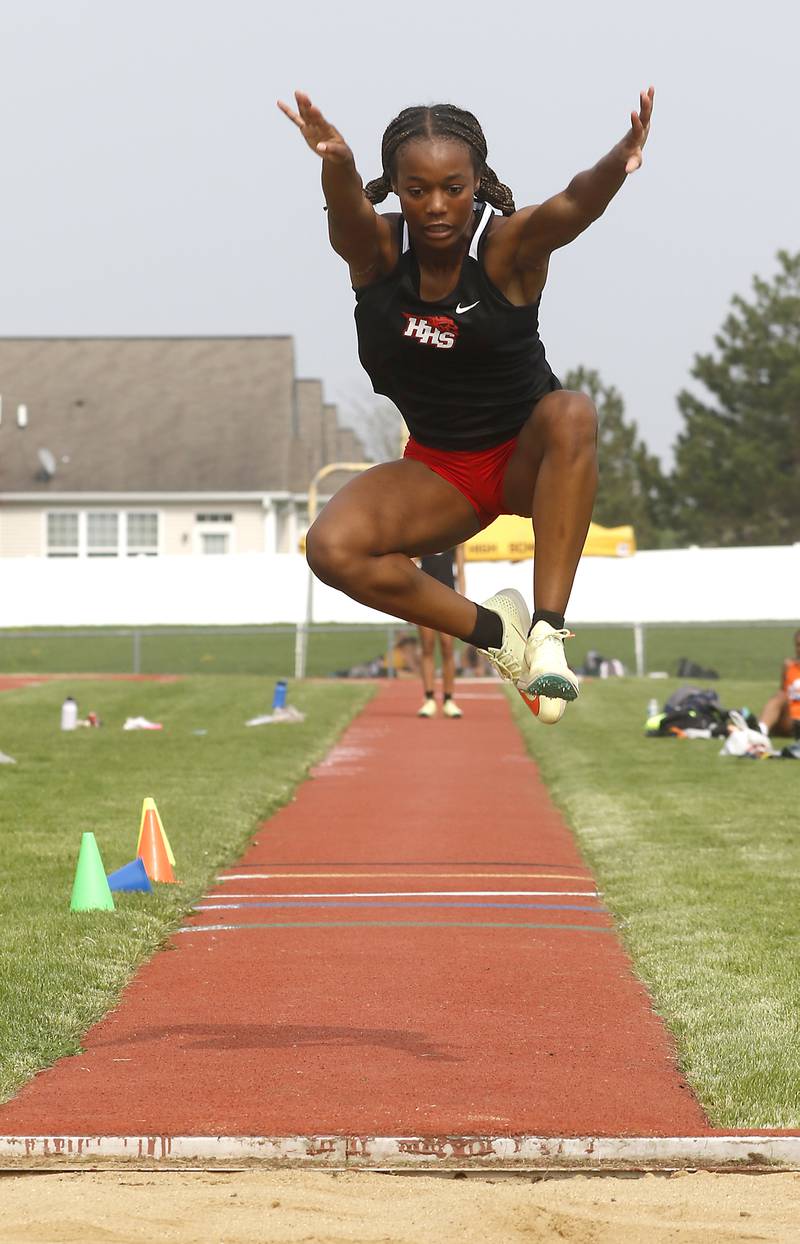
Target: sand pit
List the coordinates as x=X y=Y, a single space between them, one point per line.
x=257 y=1207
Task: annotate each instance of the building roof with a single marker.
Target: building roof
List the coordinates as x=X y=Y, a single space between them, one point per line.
x=169 y=414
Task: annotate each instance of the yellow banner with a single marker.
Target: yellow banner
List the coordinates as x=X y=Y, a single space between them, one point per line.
x=510 y=539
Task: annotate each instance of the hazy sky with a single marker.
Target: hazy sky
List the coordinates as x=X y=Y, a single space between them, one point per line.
x=150 y=185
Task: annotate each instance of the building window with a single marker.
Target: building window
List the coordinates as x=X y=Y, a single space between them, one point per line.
x=62 y=535
x=142 y=535
x=214 y=542
x=102 y=535
x=214 y=531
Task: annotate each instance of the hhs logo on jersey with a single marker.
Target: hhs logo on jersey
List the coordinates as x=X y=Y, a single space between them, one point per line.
x=435 y=330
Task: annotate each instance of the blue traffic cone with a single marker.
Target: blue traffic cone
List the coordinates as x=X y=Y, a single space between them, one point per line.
x=131 y=876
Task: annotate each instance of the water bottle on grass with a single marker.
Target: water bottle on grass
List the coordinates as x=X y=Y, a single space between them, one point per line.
x=69 y=714
x=654 y=715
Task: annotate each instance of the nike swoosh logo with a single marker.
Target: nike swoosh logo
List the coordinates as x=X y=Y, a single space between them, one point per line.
x=460 y=310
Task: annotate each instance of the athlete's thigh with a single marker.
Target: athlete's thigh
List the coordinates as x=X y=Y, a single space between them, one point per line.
x=398 y=507
x=522 y=470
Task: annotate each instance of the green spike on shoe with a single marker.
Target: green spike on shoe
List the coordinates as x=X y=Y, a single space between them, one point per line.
x=90 y=890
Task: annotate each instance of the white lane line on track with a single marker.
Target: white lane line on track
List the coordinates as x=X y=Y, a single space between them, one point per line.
x=256 y=894
x=428 y=894
x=250 y=926
x=255 y=876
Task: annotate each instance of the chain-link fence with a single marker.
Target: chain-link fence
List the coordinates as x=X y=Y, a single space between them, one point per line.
x=332 y=650
x=750 y=651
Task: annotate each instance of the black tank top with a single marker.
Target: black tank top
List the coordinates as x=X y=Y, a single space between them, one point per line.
x=464 y=372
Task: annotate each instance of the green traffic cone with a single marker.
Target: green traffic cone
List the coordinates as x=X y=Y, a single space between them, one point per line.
x=90 y=890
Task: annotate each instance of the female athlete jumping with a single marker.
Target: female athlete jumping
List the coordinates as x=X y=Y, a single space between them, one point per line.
x=447 y=300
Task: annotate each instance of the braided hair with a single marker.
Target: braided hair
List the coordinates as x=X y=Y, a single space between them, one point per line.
x=440 y=121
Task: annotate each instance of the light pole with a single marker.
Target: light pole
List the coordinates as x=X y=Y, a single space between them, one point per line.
x=301 y=638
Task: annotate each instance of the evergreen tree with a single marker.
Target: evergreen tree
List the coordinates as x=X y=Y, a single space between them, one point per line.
x=632 y=488
x=737 y=461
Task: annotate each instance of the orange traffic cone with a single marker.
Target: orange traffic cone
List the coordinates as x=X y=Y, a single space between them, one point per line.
x=149 y=805
x=153 y=852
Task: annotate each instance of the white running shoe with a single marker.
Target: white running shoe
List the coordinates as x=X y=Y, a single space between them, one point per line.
x=549 y=683
x=509 y=658
x=451 y=709
x=428 y=708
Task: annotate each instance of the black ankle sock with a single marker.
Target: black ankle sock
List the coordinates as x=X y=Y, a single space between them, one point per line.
x=556 y=620
x=447 y=696
x=430 y=695
x=488 y=630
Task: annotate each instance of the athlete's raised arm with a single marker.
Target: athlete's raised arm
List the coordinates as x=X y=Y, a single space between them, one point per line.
x=533 y=233
x=356 y=231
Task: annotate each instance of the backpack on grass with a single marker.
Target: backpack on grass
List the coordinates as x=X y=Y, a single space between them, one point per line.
x=692 y=708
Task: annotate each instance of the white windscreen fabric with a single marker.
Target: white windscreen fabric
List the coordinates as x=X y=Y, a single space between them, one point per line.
x=670 y=585
x=675 y=585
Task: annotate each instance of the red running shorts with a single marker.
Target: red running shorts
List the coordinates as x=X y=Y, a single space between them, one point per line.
x=477 y=473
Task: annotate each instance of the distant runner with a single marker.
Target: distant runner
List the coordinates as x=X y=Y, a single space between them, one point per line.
x=447 y=568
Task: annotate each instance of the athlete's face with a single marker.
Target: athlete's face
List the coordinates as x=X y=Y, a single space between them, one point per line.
x=436 y=184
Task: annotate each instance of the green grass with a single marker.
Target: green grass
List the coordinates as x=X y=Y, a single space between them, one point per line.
x=748 y=651
x=736 y=651
x=189 y=650
x=61 y=972
x=698 y=856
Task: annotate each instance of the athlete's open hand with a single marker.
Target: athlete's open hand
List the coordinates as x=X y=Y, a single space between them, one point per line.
x=320 y=135
x=636 y=137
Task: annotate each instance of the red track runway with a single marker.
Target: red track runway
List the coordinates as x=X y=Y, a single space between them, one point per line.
x=413 y=946
x=12 y=682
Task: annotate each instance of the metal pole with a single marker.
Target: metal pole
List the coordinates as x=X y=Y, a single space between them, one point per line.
x=301 y=639
x=638 y=645
x=300 y=650
x=301 y=644
x=391 y=671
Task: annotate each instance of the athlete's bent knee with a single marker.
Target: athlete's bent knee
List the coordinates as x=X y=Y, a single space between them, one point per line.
x=328 y=556
x=571 y=419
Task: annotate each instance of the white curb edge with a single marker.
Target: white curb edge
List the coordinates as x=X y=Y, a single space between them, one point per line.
x=398 y=1152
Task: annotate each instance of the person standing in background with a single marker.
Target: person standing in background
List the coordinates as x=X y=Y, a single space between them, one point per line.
x=446 y=568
